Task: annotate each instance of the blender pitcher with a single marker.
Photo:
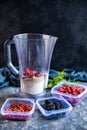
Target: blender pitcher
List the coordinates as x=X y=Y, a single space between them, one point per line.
x=34 y=52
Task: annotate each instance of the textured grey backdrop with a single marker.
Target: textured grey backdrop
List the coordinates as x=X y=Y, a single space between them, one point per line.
x=66 y=19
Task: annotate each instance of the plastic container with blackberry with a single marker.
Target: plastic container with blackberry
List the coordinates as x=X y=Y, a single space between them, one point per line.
x=53 y=107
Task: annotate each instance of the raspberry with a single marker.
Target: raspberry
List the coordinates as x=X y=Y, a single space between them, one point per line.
x=32 y=72
x=29 y=72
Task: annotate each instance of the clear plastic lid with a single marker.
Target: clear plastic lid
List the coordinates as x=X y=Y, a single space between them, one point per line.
x=10 y=101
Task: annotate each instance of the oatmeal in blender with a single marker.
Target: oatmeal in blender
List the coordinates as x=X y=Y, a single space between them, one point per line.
x=33 y=82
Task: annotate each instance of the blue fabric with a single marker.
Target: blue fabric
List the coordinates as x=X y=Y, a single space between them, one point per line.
x=75 y=76
x=8 y=79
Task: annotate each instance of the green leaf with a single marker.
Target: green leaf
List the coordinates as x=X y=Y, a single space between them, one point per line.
x=56 y=80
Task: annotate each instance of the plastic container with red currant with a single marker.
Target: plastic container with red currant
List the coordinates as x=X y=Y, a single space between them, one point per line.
x=18 y=108
x=71 y=91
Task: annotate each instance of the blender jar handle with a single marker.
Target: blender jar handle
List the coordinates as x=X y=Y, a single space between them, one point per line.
x=7 y=48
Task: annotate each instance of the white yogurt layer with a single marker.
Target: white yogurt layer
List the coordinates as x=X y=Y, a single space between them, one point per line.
x=34 y=85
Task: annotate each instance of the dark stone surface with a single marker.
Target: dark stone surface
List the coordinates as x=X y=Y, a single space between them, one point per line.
x=76 y=120
x=66 y=19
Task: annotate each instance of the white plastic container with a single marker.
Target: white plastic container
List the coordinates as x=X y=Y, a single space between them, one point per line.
x=72 y=99
x=49 y=114
x=17 y=115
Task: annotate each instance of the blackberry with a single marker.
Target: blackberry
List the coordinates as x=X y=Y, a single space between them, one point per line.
x=49 y=105
x=47 y=102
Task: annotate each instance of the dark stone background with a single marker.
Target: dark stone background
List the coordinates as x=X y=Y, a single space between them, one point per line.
x=66 y=19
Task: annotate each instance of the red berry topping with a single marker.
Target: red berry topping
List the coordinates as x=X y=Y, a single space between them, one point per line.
x=32 y=72
x=27 y=71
